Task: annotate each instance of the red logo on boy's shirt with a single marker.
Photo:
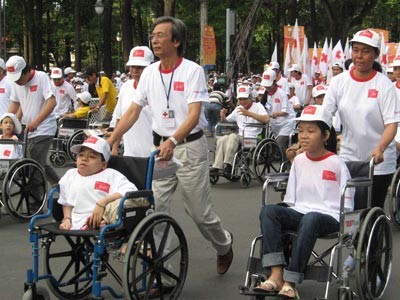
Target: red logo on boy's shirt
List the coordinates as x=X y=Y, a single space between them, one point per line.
x=328 y=175
x=62 y=92
x=372 y=93
x=179 y=86
x=2 y=90
x=102 y=186
x=277 y=100
x=7 y=153
x=33 y=88
x=309 y=110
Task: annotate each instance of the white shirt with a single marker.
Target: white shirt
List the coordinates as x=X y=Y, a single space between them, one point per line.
x=188 y=86
x=283 y=84
x=249 y=132
x=315 y=185
x=64 y=93
x=301 y=87
x=364 y=107
x=32 y=97
x=278 y=102
x=5 y=93
x=10 y=151
x=138 y=140
x=83 y=192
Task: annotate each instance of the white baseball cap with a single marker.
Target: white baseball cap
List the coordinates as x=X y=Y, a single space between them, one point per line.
x=56 y=73
x=268 y=78
x=368 y=37
x=95 y=143
x=274 y=65
x=243 y=91
x=338 y=64
x=140 y=56
x=261 y=91
x=396 y=61
x=2 y=64
x=85 y=97
x=318 y=90
x=315 y=113
x=390 y=69
x=295 y=67
x=17 y=123
x=15 y=64
x=68 y=70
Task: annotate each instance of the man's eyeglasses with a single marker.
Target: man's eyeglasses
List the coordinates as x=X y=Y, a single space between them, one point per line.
x=159 y=35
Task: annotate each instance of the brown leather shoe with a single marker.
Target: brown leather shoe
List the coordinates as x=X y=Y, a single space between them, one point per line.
x=224 y=261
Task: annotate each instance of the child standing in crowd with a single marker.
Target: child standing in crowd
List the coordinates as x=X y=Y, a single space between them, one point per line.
x=10 y=127
x=83 y=107
x=89 y=193
x=313 y=194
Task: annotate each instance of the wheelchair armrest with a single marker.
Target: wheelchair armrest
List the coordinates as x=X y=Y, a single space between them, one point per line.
x=277 y=177
x=139 y=194
x=359 y=182
x=55 y=189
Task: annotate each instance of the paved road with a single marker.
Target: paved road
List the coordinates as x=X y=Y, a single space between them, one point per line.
x=237 y=207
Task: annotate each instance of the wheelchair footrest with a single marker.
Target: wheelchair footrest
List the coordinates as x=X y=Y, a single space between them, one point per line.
x=250 y=292
x=317 y=273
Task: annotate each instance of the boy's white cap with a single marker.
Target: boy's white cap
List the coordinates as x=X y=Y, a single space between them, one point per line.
x=396 y=61
x=140 y=56
x=338 y=64
x=315 y=113
x=15 y=64
x=261 y=91
x=17 y=123
x=318 y=90
x=268 y=78
x=243 y=91
x=56 y=73
x=390 y=69
x=2 y=64
x=274 y=65
x=95 y=143
x=69 y=70
x=368 y=37
x=85 y=97
x=295 y=67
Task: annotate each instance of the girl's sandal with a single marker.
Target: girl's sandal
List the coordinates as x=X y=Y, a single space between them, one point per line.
x=268 y=286
x=288 y=292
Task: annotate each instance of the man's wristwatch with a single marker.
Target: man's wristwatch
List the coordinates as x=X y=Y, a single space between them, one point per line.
x=172 y=139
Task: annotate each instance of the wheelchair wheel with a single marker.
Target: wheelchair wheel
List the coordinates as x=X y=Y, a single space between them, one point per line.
x=24 y=189
x=76 y=138
x=245 y=180
x=41 y=294
x=394 y=204
x=151 y=265
x=70 y=265
x=214 y=179
x=59 y=160
x=373 y=259
x=267 y=158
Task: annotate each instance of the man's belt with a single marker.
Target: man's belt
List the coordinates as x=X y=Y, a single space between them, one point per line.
x=157 y=139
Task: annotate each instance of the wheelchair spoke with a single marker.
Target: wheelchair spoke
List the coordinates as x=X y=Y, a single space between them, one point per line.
x=164 y=240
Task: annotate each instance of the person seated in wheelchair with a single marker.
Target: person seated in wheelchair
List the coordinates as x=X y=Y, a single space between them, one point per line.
x=246 y=112
x=83 y=107
x=313 y=197
x=89 y=193
x=11 y=127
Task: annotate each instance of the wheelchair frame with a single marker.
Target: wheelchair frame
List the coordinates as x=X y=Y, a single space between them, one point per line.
x=253 y=159
x=359 y=230
x=145 y=260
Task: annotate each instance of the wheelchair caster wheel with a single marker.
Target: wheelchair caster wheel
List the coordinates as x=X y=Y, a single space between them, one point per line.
x=52 y=158
x=60 y=161
x=245 y=180
x=214 y=179
x=41 y=294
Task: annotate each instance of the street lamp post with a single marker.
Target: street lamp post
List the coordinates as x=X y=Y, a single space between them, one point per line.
x=119 y=39
x=99 y=8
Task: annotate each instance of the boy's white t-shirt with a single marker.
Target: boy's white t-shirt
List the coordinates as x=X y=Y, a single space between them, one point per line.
x=315 y=185
x=10 y=151
x=64 y=93
x=278 y=102
x=364 y=107
x=32 y=97
x=236 y=116
x=188 y=86
x=301 y=87
x=5 y=93
x=283 y=84
x=83 y=192
x=138 y=140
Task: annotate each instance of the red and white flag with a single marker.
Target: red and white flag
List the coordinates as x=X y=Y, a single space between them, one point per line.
x=323 y=60
x=383 y=57
x=286 y=64
x=347 y=50
x=338 y=54
x=296 y=54
x=314 y=60
x=305 y=60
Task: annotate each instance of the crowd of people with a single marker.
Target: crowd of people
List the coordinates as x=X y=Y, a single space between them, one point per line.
x=167 y=104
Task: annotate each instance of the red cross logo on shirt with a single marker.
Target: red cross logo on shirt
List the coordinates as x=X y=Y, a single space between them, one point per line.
x=165 y=114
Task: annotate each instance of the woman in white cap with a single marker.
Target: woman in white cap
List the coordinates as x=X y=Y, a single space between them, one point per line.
x=368 y=107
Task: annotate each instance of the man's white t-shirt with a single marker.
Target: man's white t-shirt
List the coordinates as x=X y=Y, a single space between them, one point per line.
x=315 y=185
x=138 y=140
x=185 y=84
x=283 y=84
x=5 y=93
x=364 y=107
x=64 y=94
x=83 y=192
x=301 y=87
x=278 y=102
x=32 y=98
x=236 y=116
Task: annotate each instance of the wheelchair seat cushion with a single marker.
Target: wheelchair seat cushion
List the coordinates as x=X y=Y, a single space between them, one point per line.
x=54 y=227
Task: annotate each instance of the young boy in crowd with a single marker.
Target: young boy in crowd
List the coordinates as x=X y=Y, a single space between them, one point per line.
x=10 y=127
x=90 y=193
x=83 y=107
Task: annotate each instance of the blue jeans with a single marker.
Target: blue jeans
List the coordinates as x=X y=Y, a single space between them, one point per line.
x=212 y=111
x=274 y=219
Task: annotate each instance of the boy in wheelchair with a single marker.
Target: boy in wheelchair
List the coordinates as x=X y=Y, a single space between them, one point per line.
x=247 y=112
x=10 y=127
x=89 y=193
x=313 y=198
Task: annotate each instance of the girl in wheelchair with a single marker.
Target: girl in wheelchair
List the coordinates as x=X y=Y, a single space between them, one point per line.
x=10 y=127
x=313 y=198
x=89 y=193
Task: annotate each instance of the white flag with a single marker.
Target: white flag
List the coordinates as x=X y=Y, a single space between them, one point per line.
x=338 y=54
x=286 y=64
x=305 y=59
x=383 y=53
x=323 y=61
x=296 y=55
x=274 y=56
x=347 y=52
x=314 y=60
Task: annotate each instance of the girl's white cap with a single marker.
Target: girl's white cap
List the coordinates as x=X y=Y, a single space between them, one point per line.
x=315 y=113
x=17 y=123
